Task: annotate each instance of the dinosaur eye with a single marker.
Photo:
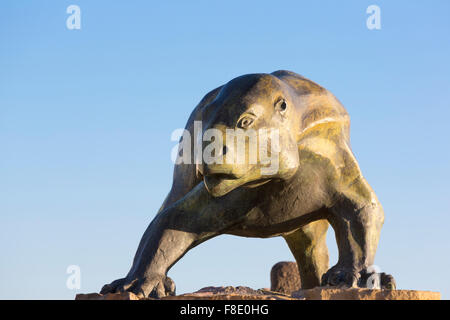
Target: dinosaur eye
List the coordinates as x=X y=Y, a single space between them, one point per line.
x=245 y=122
x=281 y=105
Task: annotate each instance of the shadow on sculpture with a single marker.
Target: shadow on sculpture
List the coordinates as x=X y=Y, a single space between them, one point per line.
x=317 y=182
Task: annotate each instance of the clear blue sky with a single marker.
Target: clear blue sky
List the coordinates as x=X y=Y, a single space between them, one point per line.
x=86 y=117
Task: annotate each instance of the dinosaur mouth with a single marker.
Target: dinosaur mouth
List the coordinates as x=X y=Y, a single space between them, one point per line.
x=222 y=176
x=221 y=184
x=256 y=183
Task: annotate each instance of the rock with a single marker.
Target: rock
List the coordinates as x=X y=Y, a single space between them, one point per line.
x=108 y=296
x=330 y=293
x=284 y=277
x=231 y=293
x=207 y=293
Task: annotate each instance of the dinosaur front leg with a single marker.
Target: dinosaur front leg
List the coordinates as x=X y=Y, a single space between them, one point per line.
x=357 y=233
x=357 y=219
x=181 y=226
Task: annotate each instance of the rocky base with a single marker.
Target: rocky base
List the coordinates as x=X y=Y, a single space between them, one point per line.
x=208 y=293
x=332 y=293
x=245 y=293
